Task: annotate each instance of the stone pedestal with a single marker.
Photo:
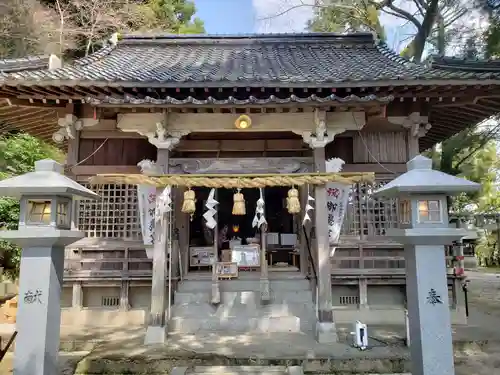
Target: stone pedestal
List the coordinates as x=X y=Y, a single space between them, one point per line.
x=39 y=311
x=428 y=310
x=45 y=229
x=424 y=230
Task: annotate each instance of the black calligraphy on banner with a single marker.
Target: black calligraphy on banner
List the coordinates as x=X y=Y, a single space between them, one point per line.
x=31 y=297
x=433 y=298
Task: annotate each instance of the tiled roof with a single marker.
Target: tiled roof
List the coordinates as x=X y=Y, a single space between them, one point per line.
x=23 y=64
x=313 y=59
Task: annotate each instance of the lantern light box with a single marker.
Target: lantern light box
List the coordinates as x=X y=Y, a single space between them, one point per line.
x=54 y=211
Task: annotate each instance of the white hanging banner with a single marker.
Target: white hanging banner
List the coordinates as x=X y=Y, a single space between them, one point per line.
x=337 y=198
x=146 y=196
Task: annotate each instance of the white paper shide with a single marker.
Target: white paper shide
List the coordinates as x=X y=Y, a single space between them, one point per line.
x=209 y=215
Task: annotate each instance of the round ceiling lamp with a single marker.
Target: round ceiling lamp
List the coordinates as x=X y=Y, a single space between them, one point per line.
x=243 y=122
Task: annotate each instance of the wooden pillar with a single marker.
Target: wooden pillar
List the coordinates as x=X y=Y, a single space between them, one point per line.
x=363 y=293
x=215 y=279
x=303 y=251
x=124 y=296
x=157 y=326
x=77 y=298
x=265 y=295
x=325 y=327
x=71 y=160
x=412 y=144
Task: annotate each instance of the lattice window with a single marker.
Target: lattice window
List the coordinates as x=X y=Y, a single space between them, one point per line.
x=110 y=301
x=372 y=215
x=115 y=215
x=349 y=300
x=351 y=223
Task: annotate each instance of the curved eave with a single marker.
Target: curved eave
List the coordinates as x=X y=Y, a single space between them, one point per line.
x=233 y=101
x=486 y=80
x=36 y=121
x=449 y=119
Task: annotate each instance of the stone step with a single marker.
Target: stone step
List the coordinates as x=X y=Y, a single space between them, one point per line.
x=265 y=324
x=203 y=309
x=246 y=297
x=235 y=370
x=236 y=285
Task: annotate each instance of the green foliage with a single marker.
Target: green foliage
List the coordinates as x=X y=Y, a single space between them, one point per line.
x=472 y=154
x=350 y=15
x=487 y=250
x=492 y=39
x=18 y=154
x=74 y=28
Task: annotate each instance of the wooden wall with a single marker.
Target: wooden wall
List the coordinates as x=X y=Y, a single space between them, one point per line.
x=366 y=147
x=124 y=151
x=384 y=147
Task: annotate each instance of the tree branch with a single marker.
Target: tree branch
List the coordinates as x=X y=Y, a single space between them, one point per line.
x=401 y=13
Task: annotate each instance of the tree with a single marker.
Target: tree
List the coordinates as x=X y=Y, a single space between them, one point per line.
x=18 y=154
x=433 y=21
x=74 y=28
x=361 y=15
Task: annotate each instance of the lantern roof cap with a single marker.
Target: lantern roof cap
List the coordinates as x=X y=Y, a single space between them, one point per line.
x=46 y=179
x=422 y=179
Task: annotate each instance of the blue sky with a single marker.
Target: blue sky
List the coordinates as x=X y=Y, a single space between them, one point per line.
x=252 y=16
x=226 y=16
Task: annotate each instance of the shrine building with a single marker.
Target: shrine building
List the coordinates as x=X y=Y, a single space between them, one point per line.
x=231 y=125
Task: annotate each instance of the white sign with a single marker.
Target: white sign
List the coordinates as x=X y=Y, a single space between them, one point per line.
x=146 y=195
x=337 y=196
x=246 y=255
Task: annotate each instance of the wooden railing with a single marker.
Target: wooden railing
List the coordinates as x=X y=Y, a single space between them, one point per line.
x=107 y=259
x=368 y=261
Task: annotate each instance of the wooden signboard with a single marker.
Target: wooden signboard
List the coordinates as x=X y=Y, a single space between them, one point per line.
x=201 y=256
x=246 y=255
x=226 y=270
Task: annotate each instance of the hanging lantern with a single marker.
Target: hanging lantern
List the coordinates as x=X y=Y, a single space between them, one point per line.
x=292 y=202
x=239 y=204
x=189 y=206
x=236 y=228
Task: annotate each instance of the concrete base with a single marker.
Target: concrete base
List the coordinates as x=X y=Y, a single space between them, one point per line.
x=326 y=333
x=155 y=335
x=265 y=294
x=215 y=294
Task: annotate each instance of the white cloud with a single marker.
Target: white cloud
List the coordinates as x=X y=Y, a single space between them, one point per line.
x=269 y=17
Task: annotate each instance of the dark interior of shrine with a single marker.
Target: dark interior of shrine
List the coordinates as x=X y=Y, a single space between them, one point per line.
x=277 y=216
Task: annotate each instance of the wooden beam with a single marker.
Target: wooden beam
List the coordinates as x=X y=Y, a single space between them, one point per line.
x=382 y=168
x=111 y=134
x=92 y=170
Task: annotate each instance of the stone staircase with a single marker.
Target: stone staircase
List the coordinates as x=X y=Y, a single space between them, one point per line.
x=291 y=307
x=238 y=370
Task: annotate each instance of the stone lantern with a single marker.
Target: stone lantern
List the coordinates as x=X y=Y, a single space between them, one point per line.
x=45 y=229
x=424 y=231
